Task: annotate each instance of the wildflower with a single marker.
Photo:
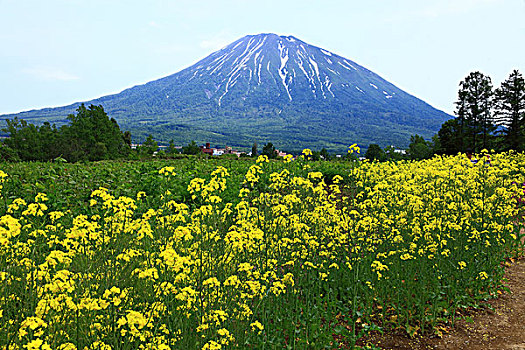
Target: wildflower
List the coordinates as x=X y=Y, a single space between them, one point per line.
x=211 y=282
x=257 y=327
x=262 y=159
x=354 y=148
x=41 y=197
x=37 y=344
x=168 y=171
x=307 y=152
x=212 y=345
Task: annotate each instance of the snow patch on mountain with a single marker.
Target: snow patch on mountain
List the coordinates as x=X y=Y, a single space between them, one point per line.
x=269 y=61
x=283 y=54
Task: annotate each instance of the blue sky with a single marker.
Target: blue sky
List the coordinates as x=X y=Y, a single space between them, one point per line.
x=56 y=52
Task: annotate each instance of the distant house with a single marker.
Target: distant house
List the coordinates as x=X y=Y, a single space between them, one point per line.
x=207 y=149
x=219 y=151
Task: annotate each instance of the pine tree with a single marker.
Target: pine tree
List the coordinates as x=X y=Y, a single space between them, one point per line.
x=450 y=137
x=375 y=152
x=149 y=146
x=474 y=105
x=171 y=148
x=269 y=151
x=510 y=110
x=461 y=112
x=191 y=148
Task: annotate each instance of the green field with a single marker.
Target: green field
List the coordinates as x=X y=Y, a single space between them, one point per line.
x=232 y=253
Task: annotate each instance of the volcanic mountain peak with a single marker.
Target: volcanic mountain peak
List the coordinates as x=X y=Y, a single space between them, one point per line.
x=265 y=88
x=296 y=69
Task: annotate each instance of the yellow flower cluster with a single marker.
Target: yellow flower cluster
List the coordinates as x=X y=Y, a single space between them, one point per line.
x=354 y=148
x=216 y=274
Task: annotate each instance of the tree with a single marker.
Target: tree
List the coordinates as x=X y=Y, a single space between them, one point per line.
x=474 y=104
x=126 y=136
x=316 y=156
x=91 y=135
x=191 y=148
x=254 y=150
x=450 y=137
x=8 y=154
x=374 y=152
x=510 y=110
x=324 y=154
x=171 y=148
x=419 y=148
x=24 y=139
x=269 y=151
x=391 y=154
x=149 y=146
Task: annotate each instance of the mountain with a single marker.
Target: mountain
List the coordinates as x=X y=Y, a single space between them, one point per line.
x=267 y=88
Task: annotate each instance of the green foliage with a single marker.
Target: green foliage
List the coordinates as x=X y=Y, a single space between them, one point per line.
x=510 y=109
x=149 y=146
x=473 y=108
x=89 y=136
x=374 y=152
x=171 y=148
x=324 y=154
x=32 y=142
x=269 y=151
x=419 y=148
x=450 y=137
x=8 y=154
x=191 y=148
x=127 y=138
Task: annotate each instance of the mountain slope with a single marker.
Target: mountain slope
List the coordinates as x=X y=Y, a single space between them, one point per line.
x=269 y=88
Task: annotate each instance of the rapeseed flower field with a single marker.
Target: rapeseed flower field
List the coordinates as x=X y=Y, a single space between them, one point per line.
x=295 y=259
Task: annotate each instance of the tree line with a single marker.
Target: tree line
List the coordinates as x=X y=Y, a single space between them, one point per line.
x=90 y=135
x=486 y=118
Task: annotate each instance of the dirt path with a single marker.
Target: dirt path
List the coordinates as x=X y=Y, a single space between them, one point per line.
x=503 y=328
x=500 y=328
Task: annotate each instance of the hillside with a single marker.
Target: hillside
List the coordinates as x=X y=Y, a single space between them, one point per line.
x=264 y=88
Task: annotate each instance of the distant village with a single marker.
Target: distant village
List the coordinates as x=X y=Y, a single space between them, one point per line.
x=213 y=151
x=218 y=151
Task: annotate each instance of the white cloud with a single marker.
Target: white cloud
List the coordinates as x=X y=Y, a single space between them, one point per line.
x=50 y=74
